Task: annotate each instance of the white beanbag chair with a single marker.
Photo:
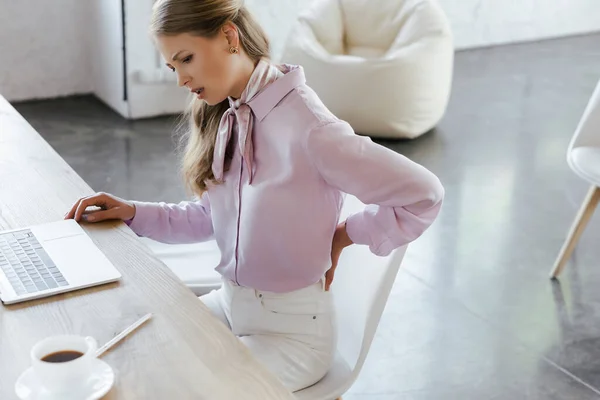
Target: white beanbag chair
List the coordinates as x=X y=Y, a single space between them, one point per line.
x=385 y=66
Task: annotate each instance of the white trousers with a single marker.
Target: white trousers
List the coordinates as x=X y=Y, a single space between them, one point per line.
x=291 y=334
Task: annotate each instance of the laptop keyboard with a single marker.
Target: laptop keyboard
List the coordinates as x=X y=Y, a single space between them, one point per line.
x=26 y=264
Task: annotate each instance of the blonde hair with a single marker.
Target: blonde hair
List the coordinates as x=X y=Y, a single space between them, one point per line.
x=205 y=18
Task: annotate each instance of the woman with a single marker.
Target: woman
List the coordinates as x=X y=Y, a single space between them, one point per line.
x=269 y=164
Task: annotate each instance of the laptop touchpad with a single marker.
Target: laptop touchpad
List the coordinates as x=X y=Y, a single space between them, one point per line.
x=57 y=230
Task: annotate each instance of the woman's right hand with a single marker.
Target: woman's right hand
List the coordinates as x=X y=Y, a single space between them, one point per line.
x=111 y=207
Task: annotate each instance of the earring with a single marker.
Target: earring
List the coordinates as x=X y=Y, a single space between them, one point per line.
x=233 y=50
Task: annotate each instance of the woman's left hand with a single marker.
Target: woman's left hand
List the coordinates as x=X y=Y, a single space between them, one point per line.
x=341 y=240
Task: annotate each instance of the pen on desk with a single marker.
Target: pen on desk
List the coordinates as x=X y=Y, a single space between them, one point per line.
x=122 y=335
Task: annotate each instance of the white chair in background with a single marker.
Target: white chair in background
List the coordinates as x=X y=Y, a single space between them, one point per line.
x=360 y=288
x=583 y=157
x=385 y=66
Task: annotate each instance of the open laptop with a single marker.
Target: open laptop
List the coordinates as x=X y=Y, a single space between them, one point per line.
x=49 y=259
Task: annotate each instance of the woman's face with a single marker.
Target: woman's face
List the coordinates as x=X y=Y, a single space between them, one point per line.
x=204 y=65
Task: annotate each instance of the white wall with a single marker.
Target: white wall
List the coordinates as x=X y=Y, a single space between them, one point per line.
x=477 y=23
x=44 y=48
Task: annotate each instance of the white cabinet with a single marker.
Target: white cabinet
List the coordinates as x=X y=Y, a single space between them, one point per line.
x=130 y=78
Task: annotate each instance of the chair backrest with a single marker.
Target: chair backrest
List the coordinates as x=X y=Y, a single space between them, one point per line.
x=588 y=129
x=361 y=287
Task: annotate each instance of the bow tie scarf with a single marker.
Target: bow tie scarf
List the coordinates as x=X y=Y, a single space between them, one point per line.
x=240 y=112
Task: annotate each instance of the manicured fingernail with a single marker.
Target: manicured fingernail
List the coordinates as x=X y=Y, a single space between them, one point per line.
x=90 y=218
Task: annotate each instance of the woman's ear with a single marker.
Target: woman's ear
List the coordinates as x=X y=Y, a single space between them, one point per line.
x=231 y=34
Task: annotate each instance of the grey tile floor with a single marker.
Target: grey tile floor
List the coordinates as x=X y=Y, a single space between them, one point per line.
x=472 y=314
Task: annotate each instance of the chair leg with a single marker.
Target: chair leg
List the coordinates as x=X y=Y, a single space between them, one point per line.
x=583 y=216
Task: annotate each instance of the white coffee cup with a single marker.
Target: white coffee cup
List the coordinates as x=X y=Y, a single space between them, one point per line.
x=62 y=376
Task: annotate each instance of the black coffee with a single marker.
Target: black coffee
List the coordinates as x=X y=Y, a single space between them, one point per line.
x=62 y=356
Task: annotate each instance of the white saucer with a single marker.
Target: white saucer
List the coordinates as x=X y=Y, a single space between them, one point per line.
x=29 y=388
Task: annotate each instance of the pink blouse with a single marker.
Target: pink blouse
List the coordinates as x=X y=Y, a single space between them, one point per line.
x=275 y=231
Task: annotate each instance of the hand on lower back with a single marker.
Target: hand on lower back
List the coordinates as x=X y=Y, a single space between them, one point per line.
x=341 y=240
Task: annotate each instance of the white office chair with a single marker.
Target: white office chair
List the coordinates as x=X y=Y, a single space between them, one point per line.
x=360 y=288
x=583 y=157
x=193 y=263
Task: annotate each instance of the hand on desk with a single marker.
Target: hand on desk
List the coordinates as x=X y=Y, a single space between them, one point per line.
x=111 y=207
